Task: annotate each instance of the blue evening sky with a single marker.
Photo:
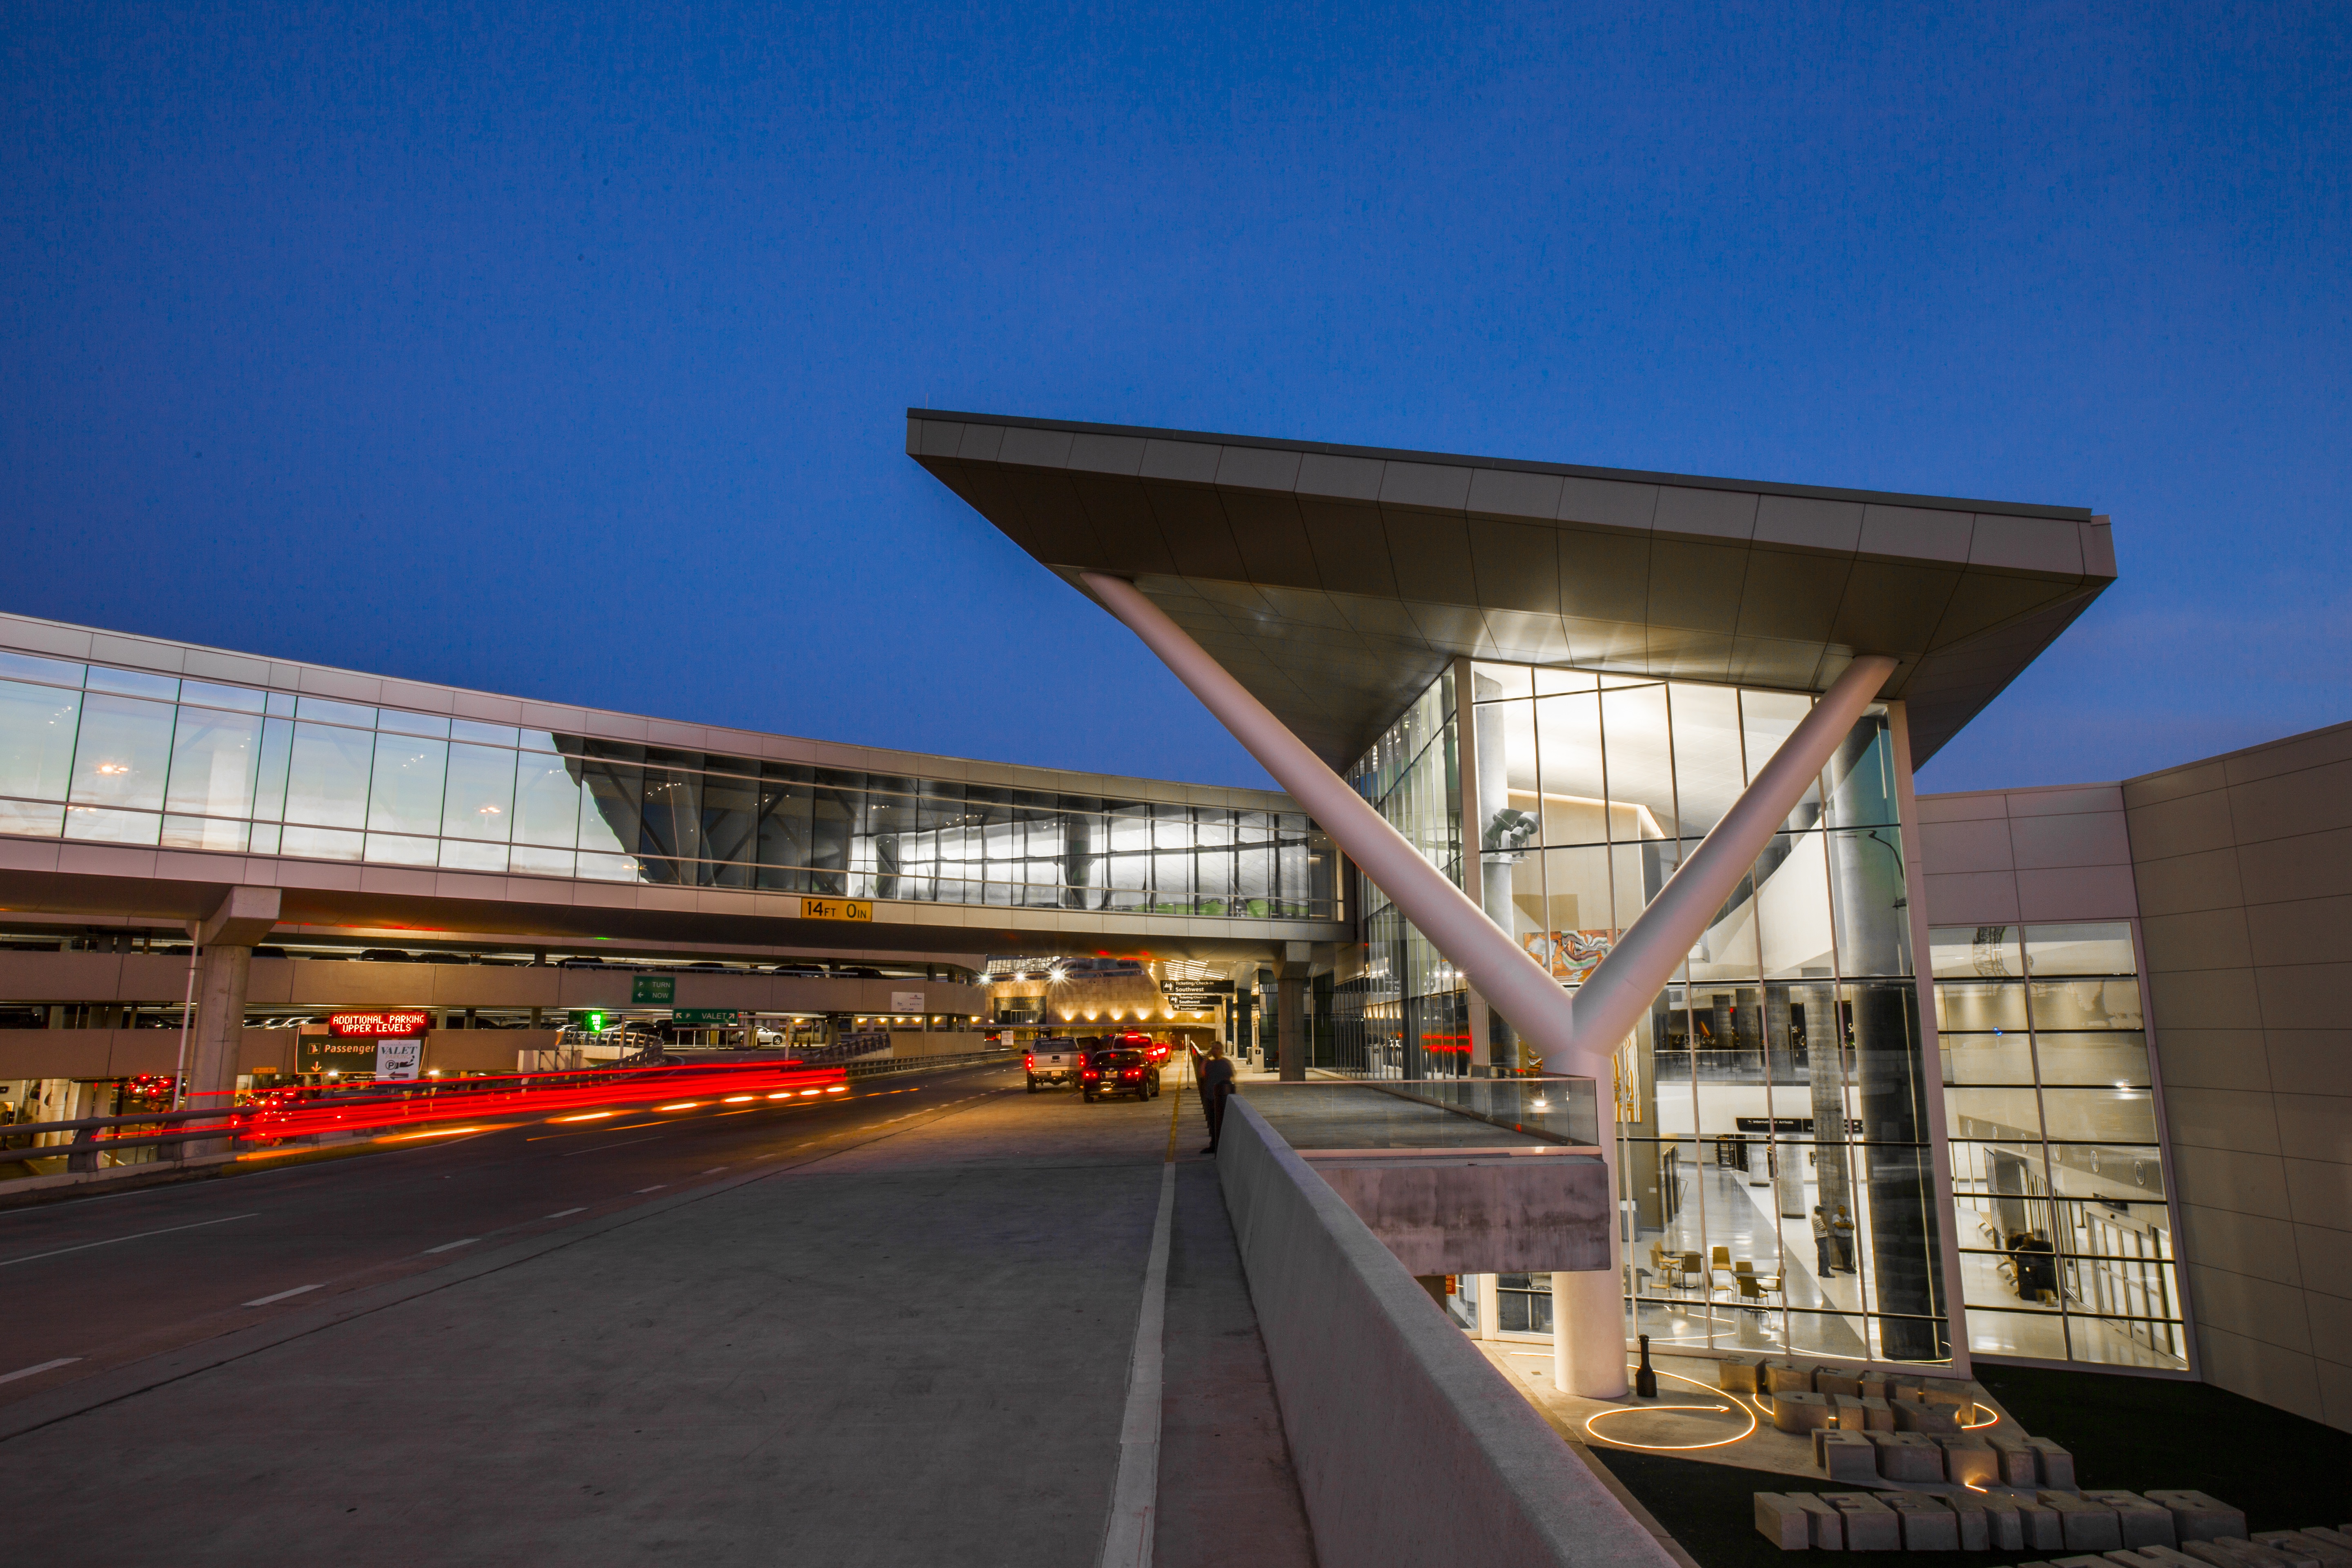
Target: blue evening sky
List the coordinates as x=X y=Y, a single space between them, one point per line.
x=564 y=349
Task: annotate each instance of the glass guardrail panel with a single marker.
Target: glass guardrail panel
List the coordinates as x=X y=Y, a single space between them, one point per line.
x=1427 y=1113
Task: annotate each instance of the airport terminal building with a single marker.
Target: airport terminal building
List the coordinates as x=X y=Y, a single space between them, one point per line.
x=2055 y=1067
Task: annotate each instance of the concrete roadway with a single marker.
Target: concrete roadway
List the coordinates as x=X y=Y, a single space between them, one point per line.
x=892 y=1327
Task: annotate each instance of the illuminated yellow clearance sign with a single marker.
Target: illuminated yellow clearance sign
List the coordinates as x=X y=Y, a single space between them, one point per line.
x=836 y=909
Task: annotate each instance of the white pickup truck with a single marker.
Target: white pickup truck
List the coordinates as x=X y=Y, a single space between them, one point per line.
x=1051 y=1062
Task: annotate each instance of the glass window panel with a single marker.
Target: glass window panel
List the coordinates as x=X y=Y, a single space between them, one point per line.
x=1551 y=683
x=2085 y=1003
x=1507 y=814
x=1983 y=953
x=321 y=843
x=2104 y=948
x=214 y=756
x=1987 y=1058
x=397 y=849
x=600 y=866
x=24 y=818
x=405 y=796
x=2038 y=1336
x=105 y=826
x=547 y=804
x=319 y=709
x=240 y=699
x=36 y=740
x=1792 y=908
x=1560 y=902
x=1489 y=682
x=531 y=861
x=484 y=734
x=1872 y=902
x=1708 y=773
x=479 y=802
x=1964 y=1005
x=54 y=671
x=134 y=683
x=2117 y=1059
x=1861 y=774
x=2009 y=1113
x=265 y=838
x=327 y=781
x=401 y=723
x=1882 y=1031
x=1641 y=755
x=2099 y=1115
x=1727 y=949
x=539 y=741
x=784 y=828
x=2004 y=1194
x=269 y=774
x=463 y=854
x=2116 y=1341
x=205 y=833
x=123 y=755
x=281 y=705
x=1567 y=747
x=2118 y=1175
x=730 y=828
x=613 y=817
x=671 y=824
x=1767 y=719
x=832 y=813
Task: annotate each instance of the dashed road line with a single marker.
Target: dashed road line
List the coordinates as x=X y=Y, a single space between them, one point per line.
x=39 y=1368
x=110 y=1241
x=284 y=1294
x=453 y=1245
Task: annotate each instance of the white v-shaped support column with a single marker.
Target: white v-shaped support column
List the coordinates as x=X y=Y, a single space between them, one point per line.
x=1580 y=1035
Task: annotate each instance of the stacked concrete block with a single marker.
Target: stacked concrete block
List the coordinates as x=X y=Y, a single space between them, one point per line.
x=1906 y=1456
x=2054 y=1467
x=1845 y=1456
x=2152 y=1557
x=2142 y=1524
x=2004 y=1527
x=1877 y=1416
x=1928 y=1524
x=1735 y=1374
x=1874 y=1384
x=2227 y=1552
x=2197 y=1516
x=1785 y=1376
x=1834 y=1380
x=1917 y=1416
x=2017 y=1466
x=2088 y=1526
x=2339 y=1539
x=1799 y=1411
x=1782 y=1522
x=1870 y=1524
x=2083 y=1561
x=2040 y=1523
x=2304 y=1543
x=1976 y=1521
x=1968 y=1462
x=1829 y=1524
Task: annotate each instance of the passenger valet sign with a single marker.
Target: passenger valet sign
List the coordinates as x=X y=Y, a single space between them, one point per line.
x=387 y=1047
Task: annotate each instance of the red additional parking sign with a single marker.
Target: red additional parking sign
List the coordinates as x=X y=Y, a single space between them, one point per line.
x=378 y=1026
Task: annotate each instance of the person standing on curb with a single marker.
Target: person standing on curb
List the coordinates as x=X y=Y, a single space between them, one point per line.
x=1216 y=1088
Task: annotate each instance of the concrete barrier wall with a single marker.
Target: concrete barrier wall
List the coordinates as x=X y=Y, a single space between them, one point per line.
x=1410 y=1447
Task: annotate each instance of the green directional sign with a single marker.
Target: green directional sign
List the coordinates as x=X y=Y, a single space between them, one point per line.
x=659 y=990
x=706 y=1016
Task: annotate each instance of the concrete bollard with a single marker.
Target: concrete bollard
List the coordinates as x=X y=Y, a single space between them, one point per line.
x=1799 y=1411
x=1782 y=1522
x=2144 y=1523
x=2054 y=1465
x=2089 y=1526
x=2004 y=1529
x=1845 y=1456
x=2196 y=1516
x=1928 y=1524
x=1870 y=1524
x=1967 y=1462
x=2018 y=1467
x=1828 y=1523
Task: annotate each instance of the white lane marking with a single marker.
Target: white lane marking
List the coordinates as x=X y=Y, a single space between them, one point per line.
x=111 y=1240
x=714 y=1170
x=558 y=1214
x=624 y=1143
x=1135 y=1496
x=36 y=1371
x=452 y=1246
x=655 y=1188
x=282 y=1295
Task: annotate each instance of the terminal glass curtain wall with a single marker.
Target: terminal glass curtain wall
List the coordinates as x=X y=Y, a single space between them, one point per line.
x=2065 y=1233
x=125 y=757
x=1783 y=1072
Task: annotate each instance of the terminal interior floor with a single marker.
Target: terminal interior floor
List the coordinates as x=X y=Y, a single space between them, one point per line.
x=893 y=1329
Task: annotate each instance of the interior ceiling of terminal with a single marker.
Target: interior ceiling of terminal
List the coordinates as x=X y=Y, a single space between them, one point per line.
x=1337 y=582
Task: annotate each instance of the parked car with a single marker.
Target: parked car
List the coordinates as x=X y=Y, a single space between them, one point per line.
x=1119 y=1068
x=1051 y=1063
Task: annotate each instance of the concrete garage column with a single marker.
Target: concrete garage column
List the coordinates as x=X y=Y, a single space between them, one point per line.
x=1290 y=1015
x=226 y=939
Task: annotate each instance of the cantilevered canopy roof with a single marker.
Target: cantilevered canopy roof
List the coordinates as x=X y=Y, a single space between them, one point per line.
x=1337 y=582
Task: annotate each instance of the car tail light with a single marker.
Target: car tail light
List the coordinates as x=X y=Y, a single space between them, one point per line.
x=1029 y=1061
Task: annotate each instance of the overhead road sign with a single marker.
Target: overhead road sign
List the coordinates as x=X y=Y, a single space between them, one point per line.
x=838 y=910
x=706 y=1016
x=653 y=990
